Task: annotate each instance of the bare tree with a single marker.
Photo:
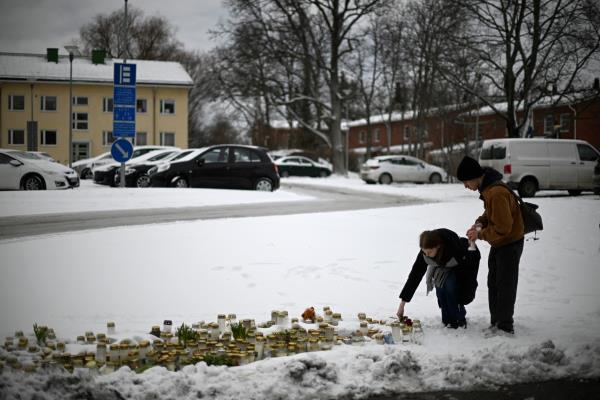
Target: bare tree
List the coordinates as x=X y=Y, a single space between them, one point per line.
x=304 y=43
x=525 y=50
x=365 y=65
x=150 y=38
x=393 y=77
x=431 y=24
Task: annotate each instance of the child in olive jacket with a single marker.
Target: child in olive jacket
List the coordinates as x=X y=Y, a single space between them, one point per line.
x=501 y=225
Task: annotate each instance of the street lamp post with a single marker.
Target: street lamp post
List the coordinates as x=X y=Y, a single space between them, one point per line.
x=70 y=150
x=73 y=51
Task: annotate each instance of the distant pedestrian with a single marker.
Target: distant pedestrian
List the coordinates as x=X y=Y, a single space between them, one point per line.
x=501 y=225
x=451 y=268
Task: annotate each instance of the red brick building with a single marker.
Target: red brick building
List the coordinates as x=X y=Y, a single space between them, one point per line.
x=451 y=129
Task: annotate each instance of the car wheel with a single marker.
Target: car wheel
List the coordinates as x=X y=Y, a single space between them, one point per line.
x=181 y=183
x=385 y=179
x=264 y=185
x=323 y=174
x=143 y=181
x=87 y=174
x=574 y=192
x=33 y=182
x=527 y=187
x=435 y=178
x=285 y=174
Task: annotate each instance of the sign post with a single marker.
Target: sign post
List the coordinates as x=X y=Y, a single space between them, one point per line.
x=124 y=101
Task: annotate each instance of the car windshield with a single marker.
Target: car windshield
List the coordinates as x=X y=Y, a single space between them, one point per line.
x=161 y=156
x=181 y=155
x=23 y=154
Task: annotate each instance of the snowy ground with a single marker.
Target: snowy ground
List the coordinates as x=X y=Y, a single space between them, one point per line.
x=352 y=261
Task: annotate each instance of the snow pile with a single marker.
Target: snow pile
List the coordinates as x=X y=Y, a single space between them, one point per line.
x=346 y=371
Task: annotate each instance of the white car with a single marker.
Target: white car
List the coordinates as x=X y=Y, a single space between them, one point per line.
x=43 y=156
x=84 y=166
x=26 y=171
x=388 y=169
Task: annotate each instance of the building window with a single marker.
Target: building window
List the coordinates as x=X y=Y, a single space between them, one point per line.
x=565 y=122
x=107 y=104
x=107 y=138
x=362 y=137
x=407 y=132
x=16 y=102
x=16 y=136
x=167 y=139
x=48 y=138
x=141 y=139
x=80 y=101
x=167 y=106
x=48 y=103
x=377 y=136
x=549 y=124
x=80 y=121
x=141 y=105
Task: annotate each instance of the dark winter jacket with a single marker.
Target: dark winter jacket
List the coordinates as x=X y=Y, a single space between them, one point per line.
x=455 y=249
x=502 y=221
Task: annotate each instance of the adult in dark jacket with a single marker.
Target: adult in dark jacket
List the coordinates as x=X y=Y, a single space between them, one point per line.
x=501 y=225
x=451 y=267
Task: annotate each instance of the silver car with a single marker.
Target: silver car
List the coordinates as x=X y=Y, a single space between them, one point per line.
x=388 y=169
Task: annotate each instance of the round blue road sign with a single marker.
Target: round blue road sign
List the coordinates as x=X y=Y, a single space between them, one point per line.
x=121 y=150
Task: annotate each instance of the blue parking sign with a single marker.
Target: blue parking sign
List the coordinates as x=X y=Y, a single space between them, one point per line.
x=124 y=100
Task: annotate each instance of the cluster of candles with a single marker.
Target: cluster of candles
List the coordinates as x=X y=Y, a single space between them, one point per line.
x=226 y=341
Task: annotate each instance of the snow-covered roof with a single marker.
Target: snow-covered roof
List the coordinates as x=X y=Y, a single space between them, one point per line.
x=544 y=102
x=36 y=67
x=283 y=124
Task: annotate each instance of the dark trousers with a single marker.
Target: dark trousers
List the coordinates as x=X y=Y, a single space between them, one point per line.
x=453 y=313
x=503 y=277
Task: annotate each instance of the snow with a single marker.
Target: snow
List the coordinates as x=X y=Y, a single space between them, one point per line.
x=27 y=66
x=92 y=197
x=353 y=261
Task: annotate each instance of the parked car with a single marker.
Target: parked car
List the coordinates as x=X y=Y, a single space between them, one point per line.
x=301 y=166
x=530 y=165
x=137 y=151
x=108 y=174
x=136 y=174
x=388 y=169
x=84 y=166
x=220 y=166
x=26 y=171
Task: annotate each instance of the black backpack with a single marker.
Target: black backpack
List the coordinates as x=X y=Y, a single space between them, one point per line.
x=532 y=220
x=466 y=274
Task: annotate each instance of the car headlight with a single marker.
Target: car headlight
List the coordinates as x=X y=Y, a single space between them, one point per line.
x=152 y=170
x=129 y=171
x=162 y=167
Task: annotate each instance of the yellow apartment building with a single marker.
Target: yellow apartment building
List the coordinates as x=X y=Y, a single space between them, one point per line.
x=34 y=104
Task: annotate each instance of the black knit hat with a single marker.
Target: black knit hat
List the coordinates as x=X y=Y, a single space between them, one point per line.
x=468 y=169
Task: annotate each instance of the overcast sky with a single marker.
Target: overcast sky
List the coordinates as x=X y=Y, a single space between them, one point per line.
x=31 y=26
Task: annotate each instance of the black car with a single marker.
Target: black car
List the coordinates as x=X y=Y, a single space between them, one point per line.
x=301 y=166
x=109 y=174
x=220 y=166
x=136 y=175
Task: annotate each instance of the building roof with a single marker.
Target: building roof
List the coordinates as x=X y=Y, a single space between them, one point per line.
x=36 y=67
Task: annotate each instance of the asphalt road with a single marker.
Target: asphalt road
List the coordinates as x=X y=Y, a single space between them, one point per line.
x=326 y=200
